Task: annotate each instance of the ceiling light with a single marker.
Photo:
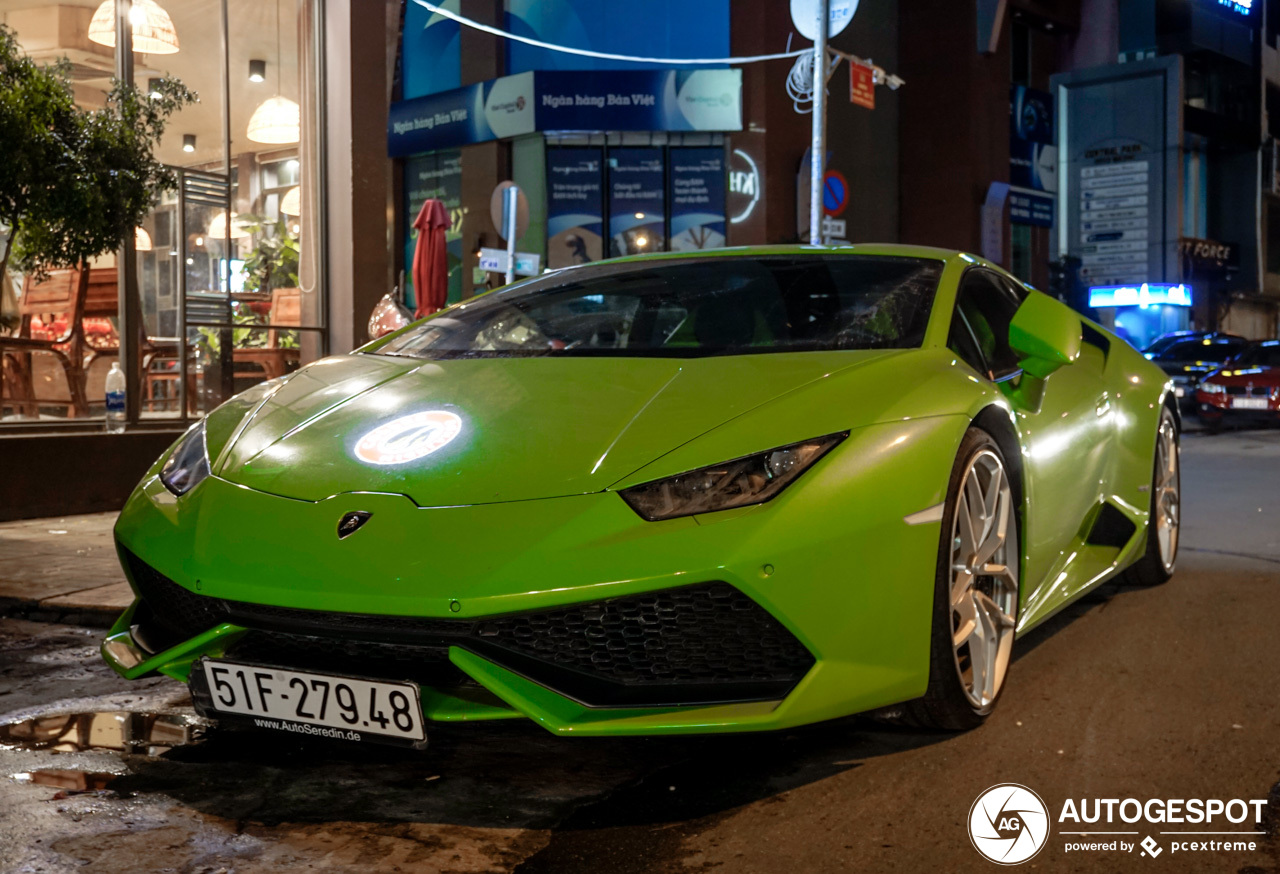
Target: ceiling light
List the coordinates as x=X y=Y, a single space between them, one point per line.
x=639 y=215
x=257 y=71
x=153 y=30
x=642 y=241
x=141 y=240
x=188 y=142
x=276 y=121
x=291 y=203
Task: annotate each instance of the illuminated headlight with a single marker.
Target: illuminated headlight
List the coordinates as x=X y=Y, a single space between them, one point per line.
x=1212 y=388
x=753 y=479
x=188 y=465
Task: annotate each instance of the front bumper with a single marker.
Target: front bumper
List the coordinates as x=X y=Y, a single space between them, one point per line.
x=849 y=583
x=1216 y=406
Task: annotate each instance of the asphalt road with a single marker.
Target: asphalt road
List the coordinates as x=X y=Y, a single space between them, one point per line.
x=1168 y=692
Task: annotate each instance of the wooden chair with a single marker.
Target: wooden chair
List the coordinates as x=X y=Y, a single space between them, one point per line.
x=272 y=360
x=69 y=294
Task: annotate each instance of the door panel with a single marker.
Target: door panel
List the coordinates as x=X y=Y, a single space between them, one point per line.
x=1067 y=444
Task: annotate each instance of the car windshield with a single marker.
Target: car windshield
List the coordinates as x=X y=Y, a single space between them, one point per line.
x=722 y=305
x=1260 y=356
x=1201 y=350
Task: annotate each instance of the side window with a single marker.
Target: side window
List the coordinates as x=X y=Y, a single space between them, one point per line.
x=960 y=341
x=985 y=307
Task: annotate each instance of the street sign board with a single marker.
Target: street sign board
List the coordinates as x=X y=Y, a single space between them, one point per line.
x=835 y=192
x=495 y=261
x=862 y=85
x=497 y=215
x=804 y=15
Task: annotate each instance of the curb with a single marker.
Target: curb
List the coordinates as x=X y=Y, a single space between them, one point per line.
x=87 y=616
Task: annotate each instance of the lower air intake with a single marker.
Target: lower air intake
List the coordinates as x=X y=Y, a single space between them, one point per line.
x=702 y=644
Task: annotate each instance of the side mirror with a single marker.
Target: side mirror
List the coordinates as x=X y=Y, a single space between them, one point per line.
x=1046 y=335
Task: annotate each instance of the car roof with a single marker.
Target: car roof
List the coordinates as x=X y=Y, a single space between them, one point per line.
x=891 y=249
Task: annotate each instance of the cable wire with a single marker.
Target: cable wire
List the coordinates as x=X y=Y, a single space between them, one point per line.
x=608 y=56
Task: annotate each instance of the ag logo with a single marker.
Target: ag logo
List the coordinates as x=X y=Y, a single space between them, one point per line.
x=1008 y=824
x=408 y=438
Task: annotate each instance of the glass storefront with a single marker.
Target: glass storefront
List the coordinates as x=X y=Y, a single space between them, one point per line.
x=228 y=281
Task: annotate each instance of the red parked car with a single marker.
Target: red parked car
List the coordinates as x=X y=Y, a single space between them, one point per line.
x=1246 y=388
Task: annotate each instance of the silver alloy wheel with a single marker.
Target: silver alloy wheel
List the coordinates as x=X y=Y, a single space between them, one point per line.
x=984 y=578
x=1167 y=505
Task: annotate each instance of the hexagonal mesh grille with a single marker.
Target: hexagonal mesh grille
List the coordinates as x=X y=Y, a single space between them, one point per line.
x=705 y=643
x=694 y=634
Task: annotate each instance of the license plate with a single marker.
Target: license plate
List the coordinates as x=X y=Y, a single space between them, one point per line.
x=1250 y=404
x=315 y=705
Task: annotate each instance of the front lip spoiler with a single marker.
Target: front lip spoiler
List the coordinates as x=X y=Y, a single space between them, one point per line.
x=130 y=660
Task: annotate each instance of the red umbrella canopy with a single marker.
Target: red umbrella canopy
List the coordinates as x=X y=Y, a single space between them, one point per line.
x=430 y=262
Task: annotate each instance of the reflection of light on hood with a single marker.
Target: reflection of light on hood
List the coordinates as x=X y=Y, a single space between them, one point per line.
x=409 y=437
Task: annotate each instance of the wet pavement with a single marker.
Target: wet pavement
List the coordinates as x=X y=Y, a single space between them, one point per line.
x=1164 y=692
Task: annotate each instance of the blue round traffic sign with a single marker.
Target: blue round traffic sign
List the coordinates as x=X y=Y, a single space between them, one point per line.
x=835 y=192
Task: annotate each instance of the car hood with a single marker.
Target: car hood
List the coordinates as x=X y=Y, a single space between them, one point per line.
x=515 y=428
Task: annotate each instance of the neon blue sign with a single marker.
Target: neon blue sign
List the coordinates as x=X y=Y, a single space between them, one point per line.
x=1144 y=295
x=1241 y=7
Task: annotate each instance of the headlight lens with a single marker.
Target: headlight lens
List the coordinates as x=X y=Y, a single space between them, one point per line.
x=188 y=465
x=1212 y=388
x=737 y=483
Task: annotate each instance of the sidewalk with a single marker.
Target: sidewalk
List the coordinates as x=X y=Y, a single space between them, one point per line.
x=62 y=570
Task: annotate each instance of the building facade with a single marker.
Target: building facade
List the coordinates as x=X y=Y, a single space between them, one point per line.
x=1128 y=146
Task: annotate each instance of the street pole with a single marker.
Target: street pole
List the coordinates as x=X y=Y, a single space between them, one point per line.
x=511 y=204
x=818 y=151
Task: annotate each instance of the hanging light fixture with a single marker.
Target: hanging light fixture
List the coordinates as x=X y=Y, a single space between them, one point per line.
x=218 y=228
x=257 y=70
x=142 y=240
x=277 y=120
x=188 y=142
x=153 y=30
x=291 y=203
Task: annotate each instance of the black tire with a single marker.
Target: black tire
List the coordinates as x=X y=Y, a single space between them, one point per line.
x=1151 y=569
x=945 y=705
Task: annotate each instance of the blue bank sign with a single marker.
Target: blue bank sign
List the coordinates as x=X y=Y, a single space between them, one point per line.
x=613 y=100
x=1144 y=295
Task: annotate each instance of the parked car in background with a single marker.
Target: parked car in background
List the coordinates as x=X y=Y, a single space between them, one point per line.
x=1164 y=341
x=1247 y=388
x=1190 y=360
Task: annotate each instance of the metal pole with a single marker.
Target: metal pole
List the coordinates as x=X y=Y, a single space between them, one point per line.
x=512 y=202
x=128 y=303
x=818 y=155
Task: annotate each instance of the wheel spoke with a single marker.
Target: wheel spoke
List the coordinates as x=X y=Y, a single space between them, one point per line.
x=995 y=489
x=965 y=540
x=973 y=498
x=966 y=622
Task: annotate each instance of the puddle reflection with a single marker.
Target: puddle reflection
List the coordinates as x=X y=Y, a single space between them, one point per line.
x=151 y=734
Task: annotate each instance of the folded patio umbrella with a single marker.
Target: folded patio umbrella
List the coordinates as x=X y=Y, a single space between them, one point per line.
x=430 y=261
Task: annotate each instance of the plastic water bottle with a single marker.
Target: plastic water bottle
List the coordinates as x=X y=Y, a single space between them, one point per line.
x=115 y=399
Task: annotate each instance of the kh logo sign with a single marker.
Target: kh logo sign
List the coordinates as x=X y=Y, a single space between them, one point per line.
x=1008 y=824
x=408 y=438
